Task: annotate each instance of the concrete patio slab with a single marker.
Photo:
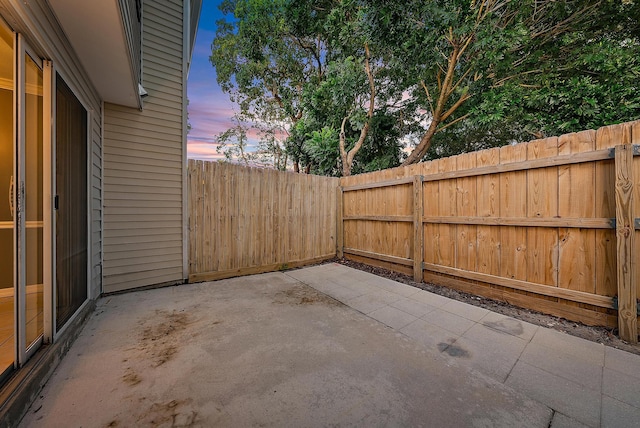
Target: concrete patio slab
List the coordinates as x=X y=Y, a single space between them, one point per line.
x=465 y=310
x=448 y=321
x=394 y=318
x=262 y=351
x=487 y=358
x=569 y=398
x=622 y=362
x=430 y=299
x=565 y=366
x=428 y=335
x=507 y=343
x=564 y=421
x=617 y=414
x=574 y=346
x=504 y=324
x=281 y=350
x=584 y=382
x=617 y=386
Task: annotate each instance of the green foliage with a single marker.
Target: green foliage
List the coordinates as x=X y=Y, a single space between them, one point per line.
x=449 y=76
x=584 y=78
x=322 y=149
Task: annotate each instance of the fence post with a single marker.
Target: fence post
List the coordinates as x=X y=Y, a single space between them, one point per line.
x=339 y=223
x=625 y=232
x=418 y=233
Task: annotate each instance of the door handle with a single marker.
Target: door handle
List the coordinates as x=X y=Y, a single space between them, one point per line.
x=11 y=196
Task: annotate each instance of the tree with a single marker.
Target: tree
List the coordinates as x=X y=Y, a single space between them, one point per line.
x=261 y=62
x=455 y=51
x=233 y=142
x=574 y=80
x=444 y=75
x=275 y=55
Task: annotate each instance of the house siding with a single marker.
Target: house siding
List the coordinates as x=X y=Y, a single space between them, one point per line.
x=38 y=24
x=143 y=163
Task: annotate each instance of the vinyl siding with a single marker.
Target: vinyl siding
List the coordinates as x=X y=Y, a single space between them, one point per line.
x=143 y=163
x=36 y=21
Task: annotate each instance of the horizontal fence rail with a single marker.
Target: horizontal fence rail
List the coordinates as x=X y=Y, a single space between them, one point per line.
x=551 y=224
x=249 y=220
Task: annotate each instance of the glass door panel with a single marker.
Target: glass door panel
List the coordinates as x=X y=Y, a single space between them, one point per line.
x=33 y=200
x=71 y=214
x=7 y=225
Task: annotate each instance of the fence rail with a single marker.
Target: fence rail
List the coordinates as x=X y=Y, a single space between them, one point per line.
x=249 y=220
x=550 y=224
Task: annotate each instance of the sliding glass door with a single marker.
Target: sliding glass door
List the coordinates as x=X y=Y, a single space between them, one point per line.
x=7 y=185
x=43 y=202
x=30 y=199
x=22 y=183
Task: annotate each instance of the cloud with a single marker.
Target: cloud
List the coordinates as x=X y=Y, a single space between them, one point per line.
x=209 y=118
x=204 y=150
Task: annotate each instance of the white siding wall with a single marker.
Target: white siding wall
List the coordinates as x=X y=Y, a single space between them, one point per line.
x=143 y=163
x=36 y=21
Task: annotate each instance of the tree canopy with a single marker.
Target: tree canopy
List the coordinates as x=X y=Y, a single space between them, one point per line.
x=361 y=85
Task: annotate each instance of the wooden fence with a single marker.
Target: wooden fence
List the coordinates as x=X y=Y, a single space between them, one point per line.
x=248 y=220
x=549 y=225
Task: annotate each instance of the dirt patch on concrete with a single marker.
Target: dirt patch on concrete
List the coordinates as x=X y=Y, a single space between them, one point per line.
x=131 y=378
x=161 y=334
x=303 y=295
x=174 y=413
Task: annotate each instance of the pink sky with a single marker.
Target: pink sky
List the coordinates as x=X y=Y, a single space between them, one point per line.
x=210 y=110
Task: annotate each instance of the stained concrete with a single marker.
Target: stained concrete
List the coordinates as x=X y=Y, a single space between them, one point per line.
x=269 y=350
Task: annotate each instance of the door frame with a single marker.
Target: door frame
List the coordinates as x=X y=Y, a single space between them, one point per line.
x=24 y=350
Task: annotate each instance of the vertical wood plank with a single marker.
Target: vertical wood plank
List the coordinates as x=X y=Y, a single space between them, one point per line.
x=466 y=205
x=417 y=228
x=256 y=236
x=488 y=205
x=625 y=234
x=606 y=282
x=208 y=218
x=430 y=208
x=513 y=203
x=635 y=139
x=577 y=247
x=340 y=221
x=447 y=207
x=199 y=209
x=192 y=204
x=542 y=202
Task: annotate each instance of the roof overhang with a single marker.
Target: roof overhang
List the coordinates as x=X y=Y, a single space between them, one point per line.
x=96 y=32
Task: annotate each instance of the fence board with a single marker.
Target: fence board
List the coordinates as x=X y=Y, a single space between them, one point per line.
x=466 y=201
x=606 y=207
x=577 y=252
x=625 y=234
x=248 y=220
x=542 y=202
x=488 y=198
x=635 y=139
x=513 y=203
x=447 y=207
x=430 y=201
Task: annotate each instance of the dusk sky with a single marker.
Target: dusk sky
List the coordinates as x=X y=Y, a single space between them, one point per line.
x=210 y=110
